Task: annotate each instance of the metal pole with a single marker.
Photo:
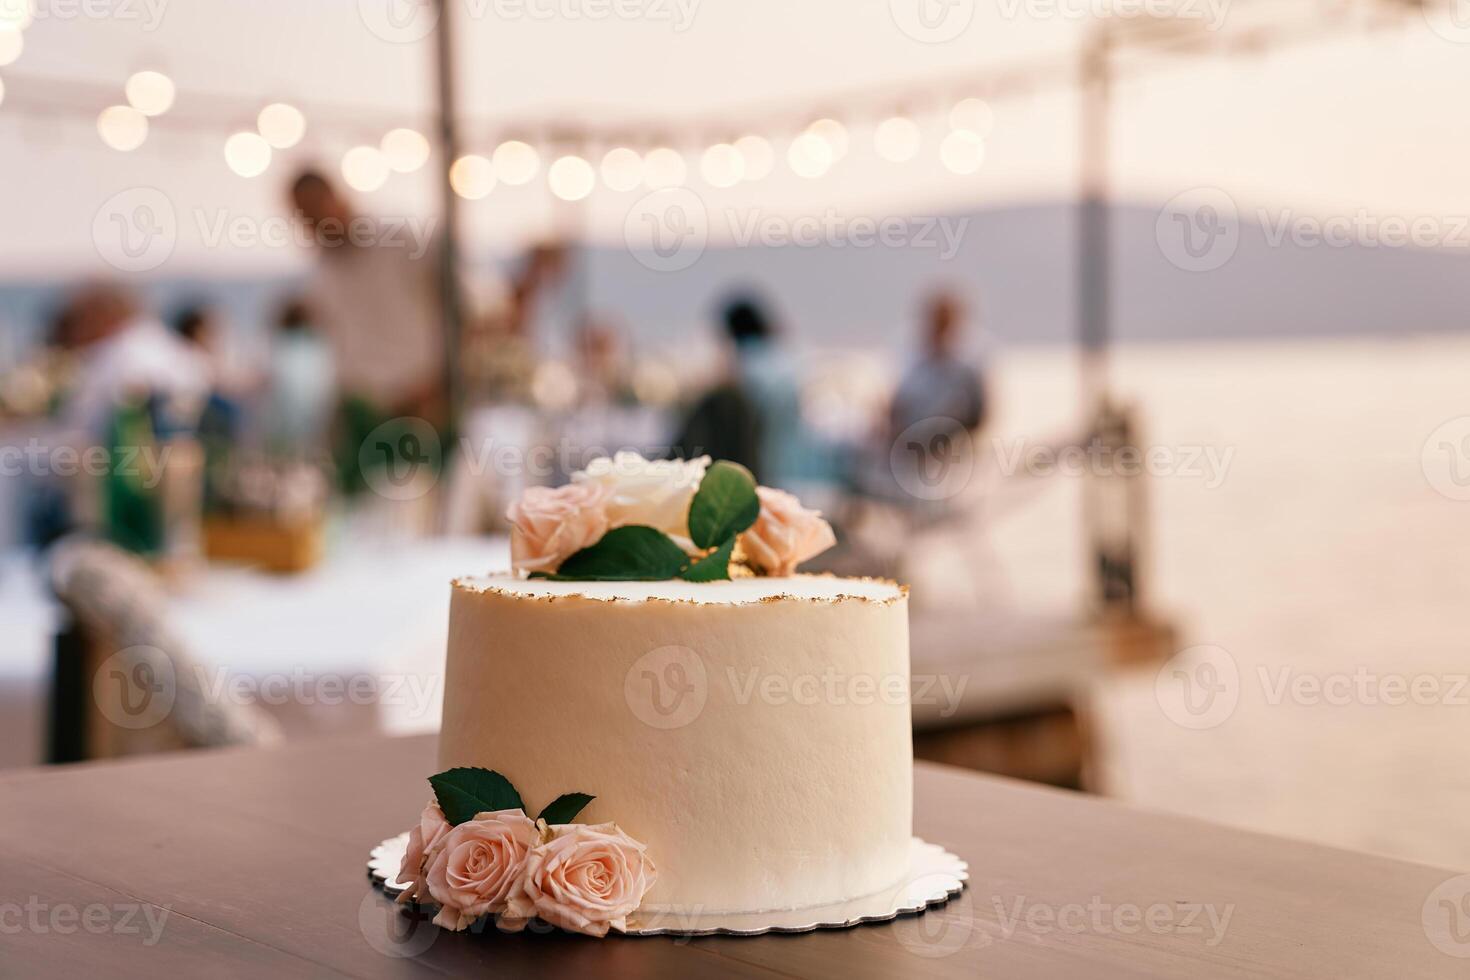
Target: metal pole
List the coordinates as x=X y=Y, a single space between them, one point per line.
x=1094 y=320
x=451 y=303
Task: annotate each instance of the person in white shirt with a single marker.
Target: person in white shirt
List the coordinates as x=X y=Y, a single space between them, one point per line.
x=375 y=293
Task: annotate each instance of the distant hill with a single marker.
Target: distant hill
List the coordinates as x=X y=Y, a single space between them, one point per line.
x=1015 y=264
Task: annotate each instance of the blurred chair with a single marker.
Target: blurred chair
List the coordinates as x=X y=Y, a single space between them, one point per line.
x=124 y=684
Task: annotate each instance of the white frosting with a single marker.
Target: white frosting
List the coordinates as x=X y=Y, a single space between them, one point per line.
x=780 y=778
x=823 y=587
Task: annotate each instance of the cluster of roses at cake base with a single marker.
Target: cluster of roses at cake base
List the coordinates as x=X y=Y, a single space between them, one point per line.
x=580 y=877
x=548 y=524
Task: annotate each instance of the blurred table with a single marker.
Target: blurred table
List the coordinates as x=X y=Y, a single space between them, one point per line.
x=251 y=863
x=374 y=610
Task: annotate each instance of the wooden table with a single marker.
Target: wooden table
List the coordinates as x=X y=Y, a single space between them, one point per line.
x=258 y=859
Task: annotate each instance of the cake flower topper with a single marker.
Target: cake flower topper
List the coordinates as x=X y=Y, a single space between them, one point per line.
x=476 y=853
x=626 y=518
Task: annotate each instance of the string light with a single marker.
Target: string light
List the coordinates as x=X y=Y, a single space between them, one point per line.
x=247 y=154
x=472 y=177
x=365 y=168
x=12 y=43
x=897 y=139
x=962 y=151
x=150 y=92
x=405 y=149
x=809 y=155
x=758 y=156
x=515 y=162
x=281 y=125
x=622 y=169
x=972 y=115
x=833 y=133
x=722 y=165
x=663 y=167
x=122 y=127
x=571 y=178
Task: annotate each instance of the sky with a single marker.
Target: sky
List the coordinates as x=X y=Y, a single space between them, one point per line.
x=1330 y=126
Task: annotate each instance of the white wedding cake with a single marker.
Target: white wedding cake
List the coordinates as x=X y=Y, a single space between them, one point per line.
x=754 y=733
x=653 y=714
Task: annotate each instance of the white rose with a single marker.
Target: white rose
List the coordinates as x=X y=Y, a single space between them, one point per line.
x=654 y=493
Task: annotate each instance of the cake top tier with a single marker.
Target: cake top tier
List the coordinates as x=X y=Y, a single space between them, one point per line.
x=818 y=588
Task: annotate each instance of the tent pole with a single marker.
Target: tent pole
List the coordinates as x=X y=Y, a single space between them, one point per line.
x=451 y=302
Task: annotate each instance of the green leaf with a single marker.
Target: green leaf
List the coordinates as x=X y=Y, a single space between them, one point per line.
x=713 y=567
x=724 y=505
x=626 y=554
x=564 y=808
x=462 y=793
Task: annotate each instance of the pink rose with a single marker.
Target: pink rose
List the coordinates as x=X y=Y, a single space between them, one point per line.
x=583 y=879
x=422 y=840
x=548 y=525
x=785 y=534
x=477 y=864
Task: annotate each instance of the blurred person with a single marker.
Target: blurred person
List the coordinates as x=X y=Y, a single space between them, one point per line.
x=940 y=384
x=301 y=384
x=124 y=353
x=376 y=298
x=752 y=415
